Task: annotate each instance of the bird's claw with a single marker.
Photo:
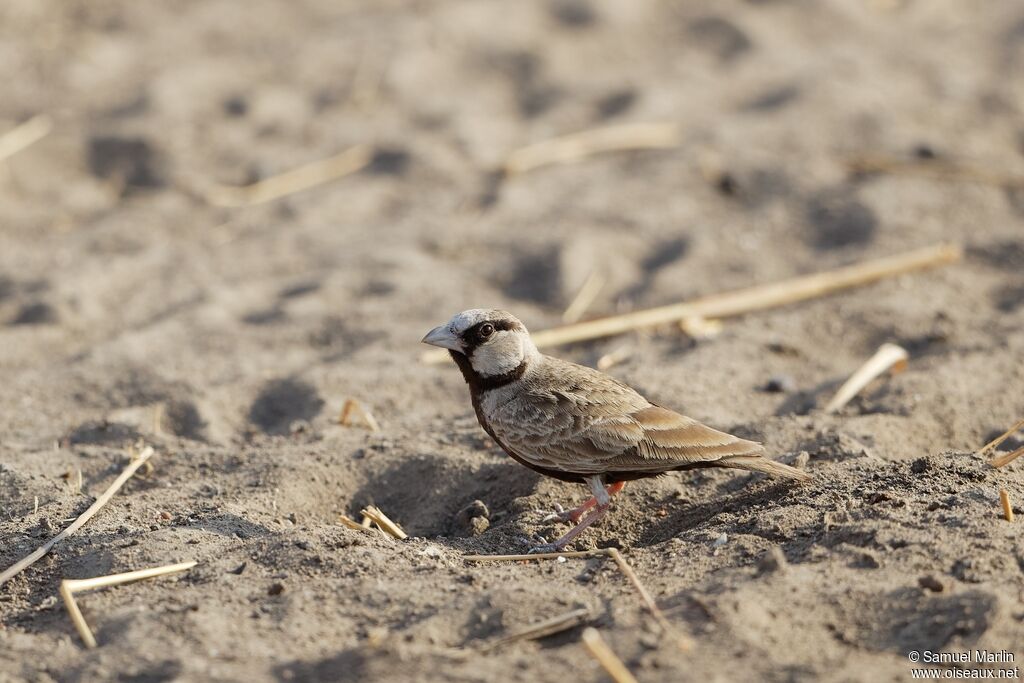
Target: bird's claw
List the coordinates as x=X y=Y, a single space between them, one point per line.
x=556 y=517
x=560 y=514
x=544 y=548
x=541 y=545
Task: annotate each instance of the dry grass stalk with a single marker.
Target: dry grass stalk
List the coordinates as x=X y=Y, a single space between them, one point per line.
x=1006 y=458
x=125 y=475
x=648 y=601
x=610 y=360
x=25 y=135
x=624 y=567
x=353 y=406
x=367 y=82
x=68 y=588
x=935 y=168
x=742 y=301
x=606 y=657
x=888 y=357
x=384 y=523
x=1004 y=498
x=542 y=629
x=697 y=327
x=572 y=148
x=353 y=524
x=584 y=298
x=158 y=419
x=302 y=178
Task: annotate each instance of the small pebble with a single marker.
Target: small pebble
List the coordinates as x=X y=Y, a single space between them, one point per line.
x=932 y=583
x=868 y=560
x=472 y=520
x=780 y=384
x=773 y=560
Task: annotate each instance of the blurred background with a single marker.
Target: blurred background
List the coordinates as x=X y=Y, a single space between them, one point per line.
x=127 y=243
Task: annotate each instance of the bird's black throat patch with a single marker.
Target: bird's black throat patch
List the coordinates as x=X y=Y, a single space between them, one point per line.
x=480 y=384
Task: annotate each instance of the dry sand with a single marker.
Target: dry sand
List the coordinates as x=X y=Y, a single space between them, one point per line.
x=229 y=339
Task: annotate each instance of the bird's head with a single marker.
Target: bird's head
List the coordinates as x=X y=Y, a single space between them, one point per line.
x=493 y=342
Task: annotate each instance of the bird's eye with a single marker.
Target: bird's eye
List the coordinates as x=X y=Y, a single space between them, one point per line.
x=486 y=330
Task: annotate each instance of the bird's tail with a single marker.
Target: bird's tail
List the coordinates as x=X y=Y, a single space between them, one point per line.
x=757 y=463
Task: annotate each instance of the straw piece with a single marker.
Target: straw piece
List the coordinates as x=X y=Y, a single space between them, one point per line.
x=542 y=629
x=68 y=588
x=1007 y=458
x=385 y=524
x=79 y=585
x=640 y=588
x=591 y=287
x=571 y=148
x=1004 y=498
x=612 y=359
x=697 y=327
x=296 y=180
x=742 y=301
x=76 y=616
x=354 y=406
x=606 y=657
x=994 y=443
x=353 y=524
x=888 y=356
x=934 y=168
x=27 y=561
x=158 y=418
x=25 y=135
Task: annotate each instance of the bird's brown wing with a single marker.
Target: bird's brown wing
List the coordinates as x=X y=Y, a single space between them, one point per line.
x=656 y=439
x=578 y=420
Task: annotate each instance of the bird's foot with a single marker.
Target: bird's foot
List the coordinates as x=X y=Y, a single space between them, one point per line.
x=573 y=516
x=539 y=544
x=544 y=548
x=559 y=514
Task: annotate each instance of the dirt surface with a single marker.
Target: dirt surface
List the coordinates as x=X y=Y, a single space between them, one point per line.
x=229 y=338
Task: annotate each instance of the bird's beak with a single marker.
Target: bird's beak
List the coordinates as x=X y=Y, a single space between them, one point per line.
x=443 y=337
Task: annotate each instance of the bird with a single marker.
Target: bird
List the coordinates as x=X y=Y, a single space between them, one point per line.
x=578 y=424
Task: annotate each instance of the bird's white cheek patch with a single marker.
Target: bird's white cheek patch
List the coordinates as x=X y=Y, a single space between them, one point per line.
x=502 y=354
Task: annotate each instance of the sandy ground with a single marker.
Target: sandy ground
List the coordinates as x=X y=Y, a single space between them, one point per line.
x=229 y=338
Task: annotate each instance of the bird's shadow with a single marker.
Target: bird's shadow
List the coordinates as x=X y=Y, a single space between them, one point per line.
x=687 y=517
x=426 y=492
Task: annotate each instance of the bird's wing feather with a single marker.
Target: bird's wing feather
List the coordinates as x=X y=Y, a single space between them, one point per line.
x=578 y=420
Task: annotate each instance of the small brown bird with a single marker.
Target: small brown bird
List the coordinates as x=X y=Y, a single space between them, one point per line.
x=574 y=423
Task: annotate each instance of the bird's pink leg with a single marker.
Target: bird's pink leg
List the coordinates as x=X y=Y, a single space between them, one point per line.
x=602 y=501
x=576 y=513
x=595 y=515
